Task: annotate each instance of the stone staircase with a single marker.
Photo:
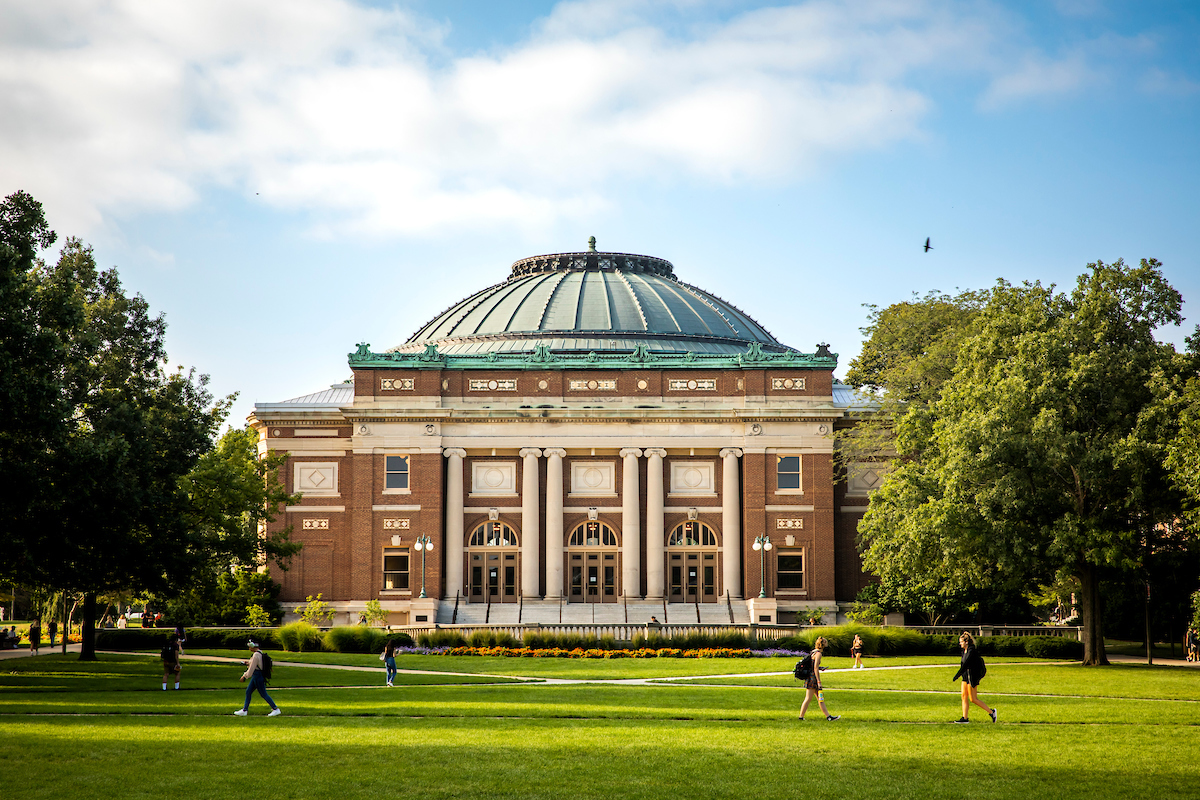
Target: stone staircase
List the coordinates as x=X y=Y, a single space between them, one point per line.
x=635 y=612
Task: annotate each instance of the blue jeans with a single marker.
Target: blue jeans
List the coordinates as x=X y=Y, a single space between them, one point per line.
x=390 y=663
x=257 y=683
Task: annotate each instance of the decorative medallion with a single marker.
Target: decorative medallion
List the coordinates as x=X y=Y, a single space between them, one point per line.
x=543 y=385
x=395 y=524
x=390 y=384
x=794 y=523
x=788 y=383
x=509 y=385
x=593 y=385
x=680 y=385
x=316 y=524
x=277 y=432
x=643 y=385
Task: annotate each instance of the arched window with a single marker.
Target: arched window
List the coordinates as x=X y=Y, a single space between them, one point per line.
x=593 y=534
x=493 y=534
x=692 y=534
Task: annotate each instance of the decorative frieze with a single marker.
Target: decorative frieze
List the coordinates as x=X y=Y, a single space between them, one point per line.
x=506 y=385
x=796 y=384
x=591 y=478
x=396 y=524
x=693 y=385
x=316 y=524
x=396 y=384
x=693 y=477
x=316 y=478
x=606 y=385
x=494 y=478
x=790 y=523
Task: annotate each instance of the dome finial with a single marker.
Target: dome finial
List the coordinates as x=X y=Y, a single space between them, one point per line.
x=592 y=244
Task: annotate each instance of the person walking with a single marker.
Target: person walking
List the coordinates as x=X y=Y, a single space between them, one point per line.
x=856 y=649
x=35 y=637
x=812 y=684
x=256 y=672
x=389 y=660
x=972 y=669
x=52 y=629
x=170 y=654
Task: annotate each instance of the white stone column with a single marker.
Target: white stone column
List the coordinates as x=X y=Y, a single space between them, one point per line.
x=554 y=522
x=631 y=524
x=454 y=522
x=531 y=540
x=731 y=521
x=656 y=540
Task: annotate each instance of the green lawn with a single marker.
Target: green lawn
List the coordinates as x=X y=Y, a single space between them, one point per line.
x=1065 y=731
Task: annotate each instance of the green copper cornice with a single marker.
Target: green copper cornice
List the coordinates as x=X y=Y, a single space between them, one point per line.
x=641 y=358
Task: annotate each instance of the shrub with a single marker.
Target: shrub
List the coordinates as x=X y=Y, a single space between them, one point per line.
x=441 y=638
x=315 y=611
x=1054 y=647
x=1002 y=645
x=487 y=638
x=354 y=639
x=257 y=616
x=298 y=637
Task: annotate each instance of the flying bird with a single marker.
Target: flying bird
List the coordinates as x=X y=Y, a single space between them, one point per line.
x=928 y=246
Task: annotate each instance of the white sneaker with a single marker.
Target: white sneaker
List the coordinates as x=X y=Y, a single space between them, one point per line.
x=275 y=712
x=241 y=712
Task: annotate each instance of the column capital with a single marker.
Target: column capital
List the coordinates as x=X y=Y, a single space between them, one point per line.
x=631 y=451
x=530 y=452
x=454 y=451
x=731 y=451
x=656 y=451
x=555 y=451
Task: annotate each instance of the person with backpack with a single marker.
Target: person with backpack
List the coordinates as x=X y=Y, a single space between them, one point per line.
x=258 y=672
x=389 y=660
x=170 y=660
x=972 y=669
x=35 y=637
x=809 y=671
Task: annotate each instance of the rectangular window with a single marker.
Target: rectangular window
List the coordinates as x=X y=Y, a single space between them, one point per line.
x=397 y=472
x=790 y=567
x=787 y=470
x=395 y=569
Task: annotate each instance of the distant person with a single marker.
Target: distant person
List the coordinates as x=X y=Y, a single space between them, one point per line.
x=972 y=669
x=1191 y=644
x=180 y=634
x=1 y=613
x=389 y=660
x=122 y=622
x=170 y=654
x=812 y=684
x=856 y=650
x=35 y=637
x=258 y=672
x=11 y=640
x=52 y=629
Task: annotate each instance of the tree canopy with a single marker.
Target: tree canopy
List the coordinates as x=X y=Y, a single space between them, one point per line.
x=1043 y=451
x=112 y=482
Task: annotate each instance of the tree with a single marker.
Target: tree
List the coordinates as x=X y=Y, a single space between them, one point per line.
x=1043 y=452
x=100 y=440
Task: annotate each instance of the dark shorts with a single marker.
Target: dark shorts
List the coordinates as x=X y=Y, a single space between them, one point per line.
x=171 y=666
x=855 y=651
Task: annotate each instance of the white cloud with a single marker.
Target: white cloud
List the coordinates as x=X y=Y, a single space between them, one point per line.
x=356 y=114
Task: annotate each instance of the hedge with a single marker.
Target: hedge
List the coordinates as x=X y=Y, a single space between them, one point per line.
x=297 y=637
x=900 y=641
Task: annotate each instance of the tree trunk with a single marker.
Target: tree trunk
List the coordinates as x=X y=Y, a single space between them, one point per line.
x=1091 y=616
x=1149 y=632
x=88 y=651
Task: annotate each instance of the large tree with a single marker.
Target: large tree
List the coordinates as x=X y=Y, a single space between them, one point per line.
x=1043 y=453
x=103 y=445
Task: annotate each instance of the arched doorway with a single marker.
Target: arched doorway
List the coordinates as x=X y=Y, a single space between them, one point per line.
x=593 y=564
x=693 y=564
x=493 y=563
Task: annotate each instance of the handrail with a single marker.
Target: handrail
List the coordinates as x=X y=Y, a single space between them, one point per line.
x=729 y=603
x=697 y=609
x=454 y=616
x=665 y=618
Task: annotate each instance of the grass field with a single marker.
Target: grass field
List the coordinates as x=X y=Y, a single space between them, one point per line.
x=107 y=730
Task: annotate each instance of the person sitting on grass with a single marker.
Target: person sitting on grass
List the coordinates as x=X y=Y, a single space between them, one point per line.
x=255 y=672
x=972 y=670
x=812 y=684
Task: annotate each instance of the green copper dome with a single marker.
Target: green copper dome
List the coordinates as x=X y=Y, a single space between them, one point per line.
x=592 y=301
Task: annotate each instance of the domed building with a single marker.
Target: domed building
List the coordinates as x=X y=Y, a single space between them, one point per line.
x=591 y=440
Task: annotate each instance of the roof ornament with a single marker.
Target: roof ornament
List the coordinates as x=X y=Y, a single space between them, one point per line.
x=642 y=353
x=430 y=354
x=754 y=353
x=363 y=353
x=823 y=351
x=591 y=244
x=541 y=354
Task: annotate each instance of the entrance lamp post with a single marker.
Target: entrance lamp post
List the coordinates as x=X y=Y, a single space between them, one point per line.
x=762 y=544
x=423 y=545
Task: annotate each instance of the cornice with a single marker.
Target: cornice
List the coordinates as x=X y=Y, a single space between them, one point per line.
x=642 y=357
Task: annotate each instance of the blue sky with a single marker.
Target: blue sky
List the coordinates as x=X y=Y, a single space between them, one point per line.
x=285 y=180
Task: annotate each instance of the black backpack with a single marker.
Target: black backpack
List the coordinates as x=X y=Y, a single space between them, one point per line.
x=267 y=663
x=168 y=652
x=804 y=668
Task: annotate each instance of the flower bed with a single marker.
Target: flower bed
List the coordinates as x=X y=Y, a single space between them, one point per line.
x=643 y=652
